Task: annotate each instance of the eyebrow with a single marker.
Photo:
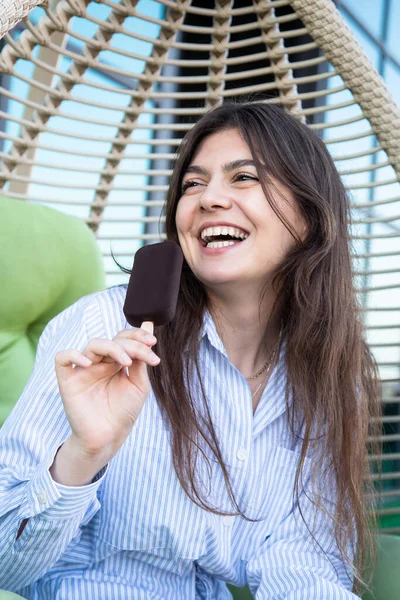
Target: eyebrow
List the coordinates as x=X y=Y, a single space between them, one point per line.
x=230 y=166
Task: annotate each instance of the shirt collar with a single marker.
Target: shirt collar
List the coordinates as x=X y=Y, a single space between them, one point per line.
x=209 y=330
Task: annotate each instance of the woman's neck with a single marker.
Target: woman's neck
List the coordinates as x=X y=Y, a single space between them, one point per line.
x=247 y=330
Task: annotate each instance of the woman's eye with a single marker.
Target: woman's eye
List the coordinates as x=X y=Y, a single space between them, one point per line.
x=245 y=177
x=188 y=184
x=192 y=183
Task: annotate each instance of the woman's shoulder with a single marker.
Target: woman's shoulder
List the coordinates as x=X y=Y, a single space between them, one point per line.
x=110 y=300
x=100 y=314
x=110 y=305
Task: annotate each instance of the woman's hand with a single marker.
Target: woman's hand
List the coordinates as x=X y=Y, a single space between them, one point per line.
x=104 y=388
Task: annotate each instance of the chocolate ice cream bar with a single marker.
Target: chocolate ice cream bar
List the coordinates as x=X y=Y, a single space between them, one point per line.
x=154 y=284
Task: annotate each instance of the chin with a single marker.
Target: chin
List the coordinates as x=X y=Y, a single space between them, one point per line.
x=217 y=279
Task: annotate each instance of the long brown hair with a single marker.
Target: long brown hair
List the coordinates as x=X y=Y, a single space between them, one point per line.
x=331 y=374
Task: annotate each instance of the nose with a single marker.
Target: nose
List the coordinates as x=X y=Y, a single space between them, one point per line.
x=214 y=197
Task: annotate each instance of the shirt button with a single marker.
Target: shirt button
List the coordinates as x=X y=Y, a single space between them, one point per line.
x=227 y=521
x=242 y=454
x=42 y=497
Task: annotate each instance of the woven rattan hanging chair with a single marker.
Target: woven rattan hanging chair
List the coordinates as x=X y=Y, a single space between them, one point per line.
x=97 y=95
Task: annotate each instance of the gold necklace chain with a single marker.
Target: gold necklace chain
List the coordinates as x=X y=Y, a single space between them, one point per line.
x=269 y=361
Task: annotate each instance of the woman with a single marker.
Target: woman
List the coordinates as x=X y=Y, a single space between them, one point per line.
x=234 y=450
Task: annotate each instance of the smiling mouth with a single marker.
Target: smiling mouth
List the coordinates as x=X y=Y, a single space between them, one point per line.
x=218 y=237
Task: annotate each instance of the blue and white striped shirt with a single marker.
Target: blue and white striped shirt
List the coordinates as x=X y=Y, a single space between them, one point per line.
x=133 y=533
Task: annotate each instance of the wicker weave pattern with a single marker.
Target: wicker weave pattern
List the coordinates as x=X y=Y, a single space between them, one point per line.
x=130 y=119
x=27 y=42
x=279 y=74
x=323 y=21
x=216 y=83
x=13 y=11
x=279 y=59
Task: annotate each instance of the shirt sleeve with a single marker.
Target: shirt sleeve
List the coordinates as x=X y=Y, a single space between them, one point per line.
x=29 y=440
x=290 y=565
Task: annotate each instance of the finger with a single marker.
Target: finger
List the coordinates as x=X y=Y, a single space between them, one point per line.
x=99 y=350
x=138 y=351
x=69 y=358
x=137 y=372
x=138 y=334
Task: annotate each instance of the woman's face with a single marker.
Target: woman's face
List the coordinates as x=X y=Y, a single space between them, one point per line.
x=226 y=228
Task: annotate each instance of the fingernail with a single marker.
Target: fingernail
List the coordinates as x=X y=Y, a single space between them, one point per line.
x=150 y=338
x=86 y=361
x=154 y=359
x=126 y=358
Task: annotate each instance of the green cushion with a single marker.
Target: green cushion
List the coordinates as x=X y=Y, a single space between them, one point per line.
x=386 y=577
x=238 y=593
x=48 y=260
x=9 y=596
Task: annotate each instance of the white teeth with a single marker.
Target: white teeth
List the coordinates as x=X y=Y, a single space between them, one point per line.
x=220 y=244
x=211 y=232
